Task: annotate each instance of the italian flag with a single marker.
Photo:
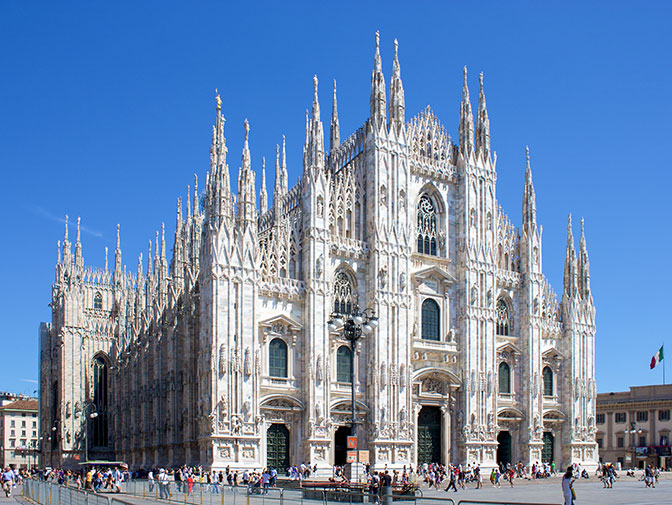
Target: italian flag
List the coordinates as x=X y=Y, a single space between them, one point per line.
x=657 y=358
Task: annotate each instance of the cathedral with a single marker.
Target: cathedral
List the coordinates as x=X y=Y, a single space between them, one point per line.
x=223 y=356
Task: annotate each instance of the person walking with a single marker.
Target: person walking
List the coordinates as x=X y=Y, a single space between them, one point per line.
x=163 y=485
x=451 y=483
x=568 y=487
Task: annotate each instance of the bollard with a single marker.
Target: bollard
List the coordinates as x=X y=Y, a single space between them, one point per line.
x=387 y=495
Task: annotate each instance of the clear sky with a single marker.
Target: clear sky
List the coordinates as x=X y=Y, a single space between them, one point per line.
x=106 y=110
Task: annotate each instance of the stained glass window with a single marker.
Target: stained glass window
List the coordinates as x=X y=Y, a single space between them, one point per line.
x=426 y=226
x=277 y=358
x=504 y=378
x=344 y=364
x=430 y=320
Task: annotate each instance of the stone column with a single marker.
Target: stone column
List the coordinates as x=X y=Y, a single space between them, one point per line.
x=445 y=433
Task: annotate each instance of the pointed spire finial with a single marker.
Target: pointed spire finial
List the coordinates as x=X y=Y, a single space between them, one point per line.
x=65 y=239
x=377 y=42
x=316 y=101
x=377 y=101
x=106 y=258
x=78 y=234
x=397 y=101
x=527 y=157
x=163 y=241
x=263 y=194
x=218 y=100
x=58 y=246
x=118 y=238
x=334 y=132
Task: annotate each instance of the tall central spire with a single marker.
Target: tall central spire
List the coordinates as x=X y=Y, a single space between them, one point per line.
x=378 y=100
x=569 y=277
x=466 y=120
x=397 y=101
x=334 y=132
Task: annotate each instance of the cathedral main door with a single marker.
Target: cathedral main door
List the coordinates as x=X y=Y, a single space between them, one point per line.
x=341 y=445
x=504 y=448
x=547 y=450
x=277 y=447
x=429 y=435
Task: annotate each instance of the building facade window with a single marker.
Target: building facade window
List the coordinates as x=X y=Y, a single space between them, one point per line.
x=12 y=442
x=100 y=395
x=663 y=415
x=277 y=358
x=599 y=443
x=504 y=378
x=344 y=294
x=504 y=325
x=642 y=441
x=600 y=418
x=427 y=226
x=547 y=374
x=344 y=364
x=642 y=416
x=98 y=301
x=619 y=417
x=620 y=442
x=430 y=320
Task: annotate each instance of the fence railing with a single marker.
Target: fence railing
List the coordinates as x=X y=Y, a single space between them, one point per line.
x=47 y=493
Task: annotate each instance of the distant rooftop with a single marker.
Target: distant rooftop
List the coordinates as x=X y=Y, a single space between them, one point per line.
x=26 y=404
x=658 y=392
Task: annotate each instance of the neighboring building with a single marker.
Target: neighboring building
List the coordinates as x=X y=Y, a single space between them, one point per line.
x=19 y=431
x=635 y=425
x=221 y=356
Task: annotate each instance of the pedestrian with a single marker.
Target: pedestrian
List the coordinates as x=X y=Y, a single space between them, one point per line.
x=568 y=487
x=150 y=480
x=451 y=483
x=163 y=485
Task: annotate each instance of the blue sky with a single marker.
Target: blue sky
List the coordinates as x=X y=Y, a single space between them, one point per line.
x=106 y=110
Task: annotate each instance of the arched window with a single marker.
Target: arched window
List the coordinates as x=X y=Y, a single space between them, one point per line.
x=99 y=423
x=277 y=358
x=344 y=364
x=504 y=325
x=426 y=226
x=344 y=297
x=504 y=378
x=98 y=301
x=430 y=320
x=547 y=374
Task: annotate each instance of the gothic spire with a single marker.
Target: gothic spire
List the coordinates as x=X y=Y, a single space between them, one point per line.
x=58 y=246
x=285 y=178
x=277 y=187
x=529 y=198
x=188 y=203
x=334 y=132
x=583 y=267
x=397 y=102
x=149 y=260
x=569 y=277
x=314 y=151
x=466 y=129
x=263 y=195
x=78 y=248
x=139 y=274
x=247 y=208
x=117 y=254
x=482 y=123
x=163 y=242
x=106 y=258
x=377 y=101
x=196 y=204
x=66 y=244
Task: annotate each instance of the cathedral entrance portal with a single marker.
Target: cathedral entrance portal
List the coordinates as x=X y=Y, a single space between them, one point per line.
x=341 y=445
x=504 y=448
x=277 y=447
x=547 y=450
x=429 y=435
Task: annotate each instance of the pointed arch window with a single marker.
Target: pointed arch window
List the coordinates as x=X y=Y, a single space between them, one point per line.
x=504 y=378
x=344 y=296
x=277 y=358
x=98 y=301
x=430 y=320
x=547 y=375
x=503 y=323
x=426 y=226
x=344 y=364
x=99 y=427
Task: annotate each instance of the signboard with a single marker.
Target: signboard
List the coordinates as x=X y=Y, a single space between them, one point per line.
x=351 y=457
x=352 y=442
x=76 y=457
x=364 y=457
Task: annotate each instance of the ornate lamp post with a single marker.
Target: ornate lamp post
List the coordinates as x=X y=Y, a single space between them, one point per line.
x=89 y=411
x=632 y=431
x=354 y=325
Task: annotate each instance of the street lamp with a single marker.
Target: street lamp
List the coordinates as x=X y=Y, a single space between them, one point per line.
x=632 y=431
x=354 y=325
x=89 y=411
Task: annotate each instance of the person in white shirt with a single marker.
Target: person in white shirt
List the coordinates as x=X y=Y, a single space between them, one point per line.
x=568 y=487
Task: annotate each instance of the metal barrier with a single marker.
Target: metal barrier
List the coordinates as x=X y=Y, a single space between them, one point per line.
x=47 y=493
x=482 y=502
